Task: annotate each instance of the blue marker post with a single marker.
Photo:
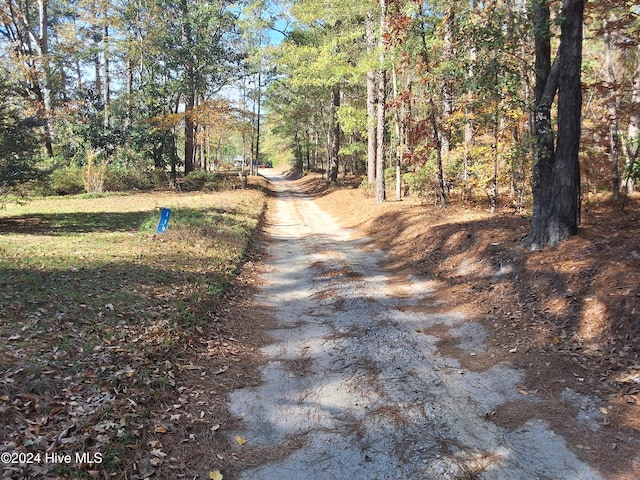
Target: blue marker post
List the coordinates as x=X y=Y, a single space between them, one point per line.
x=163 y=224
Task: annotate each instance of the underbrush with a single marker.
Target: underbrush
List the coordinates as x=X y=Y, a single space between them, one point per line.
x=210 y=181
x=98 y=317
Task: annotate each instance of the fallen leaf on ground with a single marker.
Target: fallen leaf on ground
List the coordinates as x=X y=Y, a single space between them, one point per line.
x=158 y=453
x=190 y=367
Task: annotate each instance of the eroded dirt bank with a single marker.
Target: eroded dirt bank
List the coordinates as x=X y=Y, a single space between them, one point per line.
x=358 y=383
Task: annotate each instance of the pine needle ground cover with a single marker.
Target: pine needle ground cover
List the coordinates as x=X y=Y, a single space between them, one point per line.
x=98 y=314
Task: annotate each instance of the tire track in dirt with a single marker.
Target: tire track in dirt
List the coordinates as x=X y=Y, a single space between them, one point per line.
x=353 y=387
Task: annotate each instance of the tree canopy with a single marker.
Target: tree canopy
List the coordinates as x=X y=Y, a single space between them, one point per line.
x=446 y=100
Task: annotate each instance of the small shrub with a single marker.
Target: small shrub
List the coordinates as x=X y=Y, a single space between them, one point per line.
x=67 y=181
x=39 y=187
x=126 y=179
x=423 y=182
x=369 y=189
x=116 y=180
x=159 y=178
x=93 y=174
x=203 y=180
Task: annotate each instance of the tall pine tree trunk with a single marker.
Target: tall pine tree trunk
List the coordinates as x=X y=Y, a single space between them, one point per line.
x=106 y=92
x=382 y=102
x=129 y=98
x=613 y=107
x=189 y=133
x=258 y=119
x=335 y=136
x=544 y=147
x=46 y=85
x=468 y=124
x=447 y=94
x=442 y=194
x=190 y=94
x=556 y=174
x=398 y=120
x=371 y=103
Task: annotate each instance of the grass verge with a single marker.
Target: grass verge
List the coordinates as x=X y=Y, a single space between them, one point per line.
x=98 y=316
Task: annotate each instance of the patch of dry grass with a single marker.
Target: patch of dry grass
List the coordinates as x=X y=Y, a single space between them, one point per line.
x=101 y=319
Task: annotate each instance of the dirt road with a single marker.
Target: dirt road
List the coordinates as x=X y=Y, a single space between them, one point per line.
x=354 y=388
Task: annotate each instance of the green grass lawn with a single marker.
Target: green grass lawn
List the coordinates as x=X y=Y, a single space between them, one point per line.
x=94 y=304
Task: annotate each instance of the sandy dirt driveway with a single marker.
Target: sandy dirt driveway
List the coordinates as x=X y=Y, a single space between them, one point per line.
x=353 y=387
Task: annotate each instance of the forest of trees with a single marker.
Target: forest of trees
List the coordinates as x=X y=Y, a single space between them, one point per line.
x=531 y=102
x=133 y=86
